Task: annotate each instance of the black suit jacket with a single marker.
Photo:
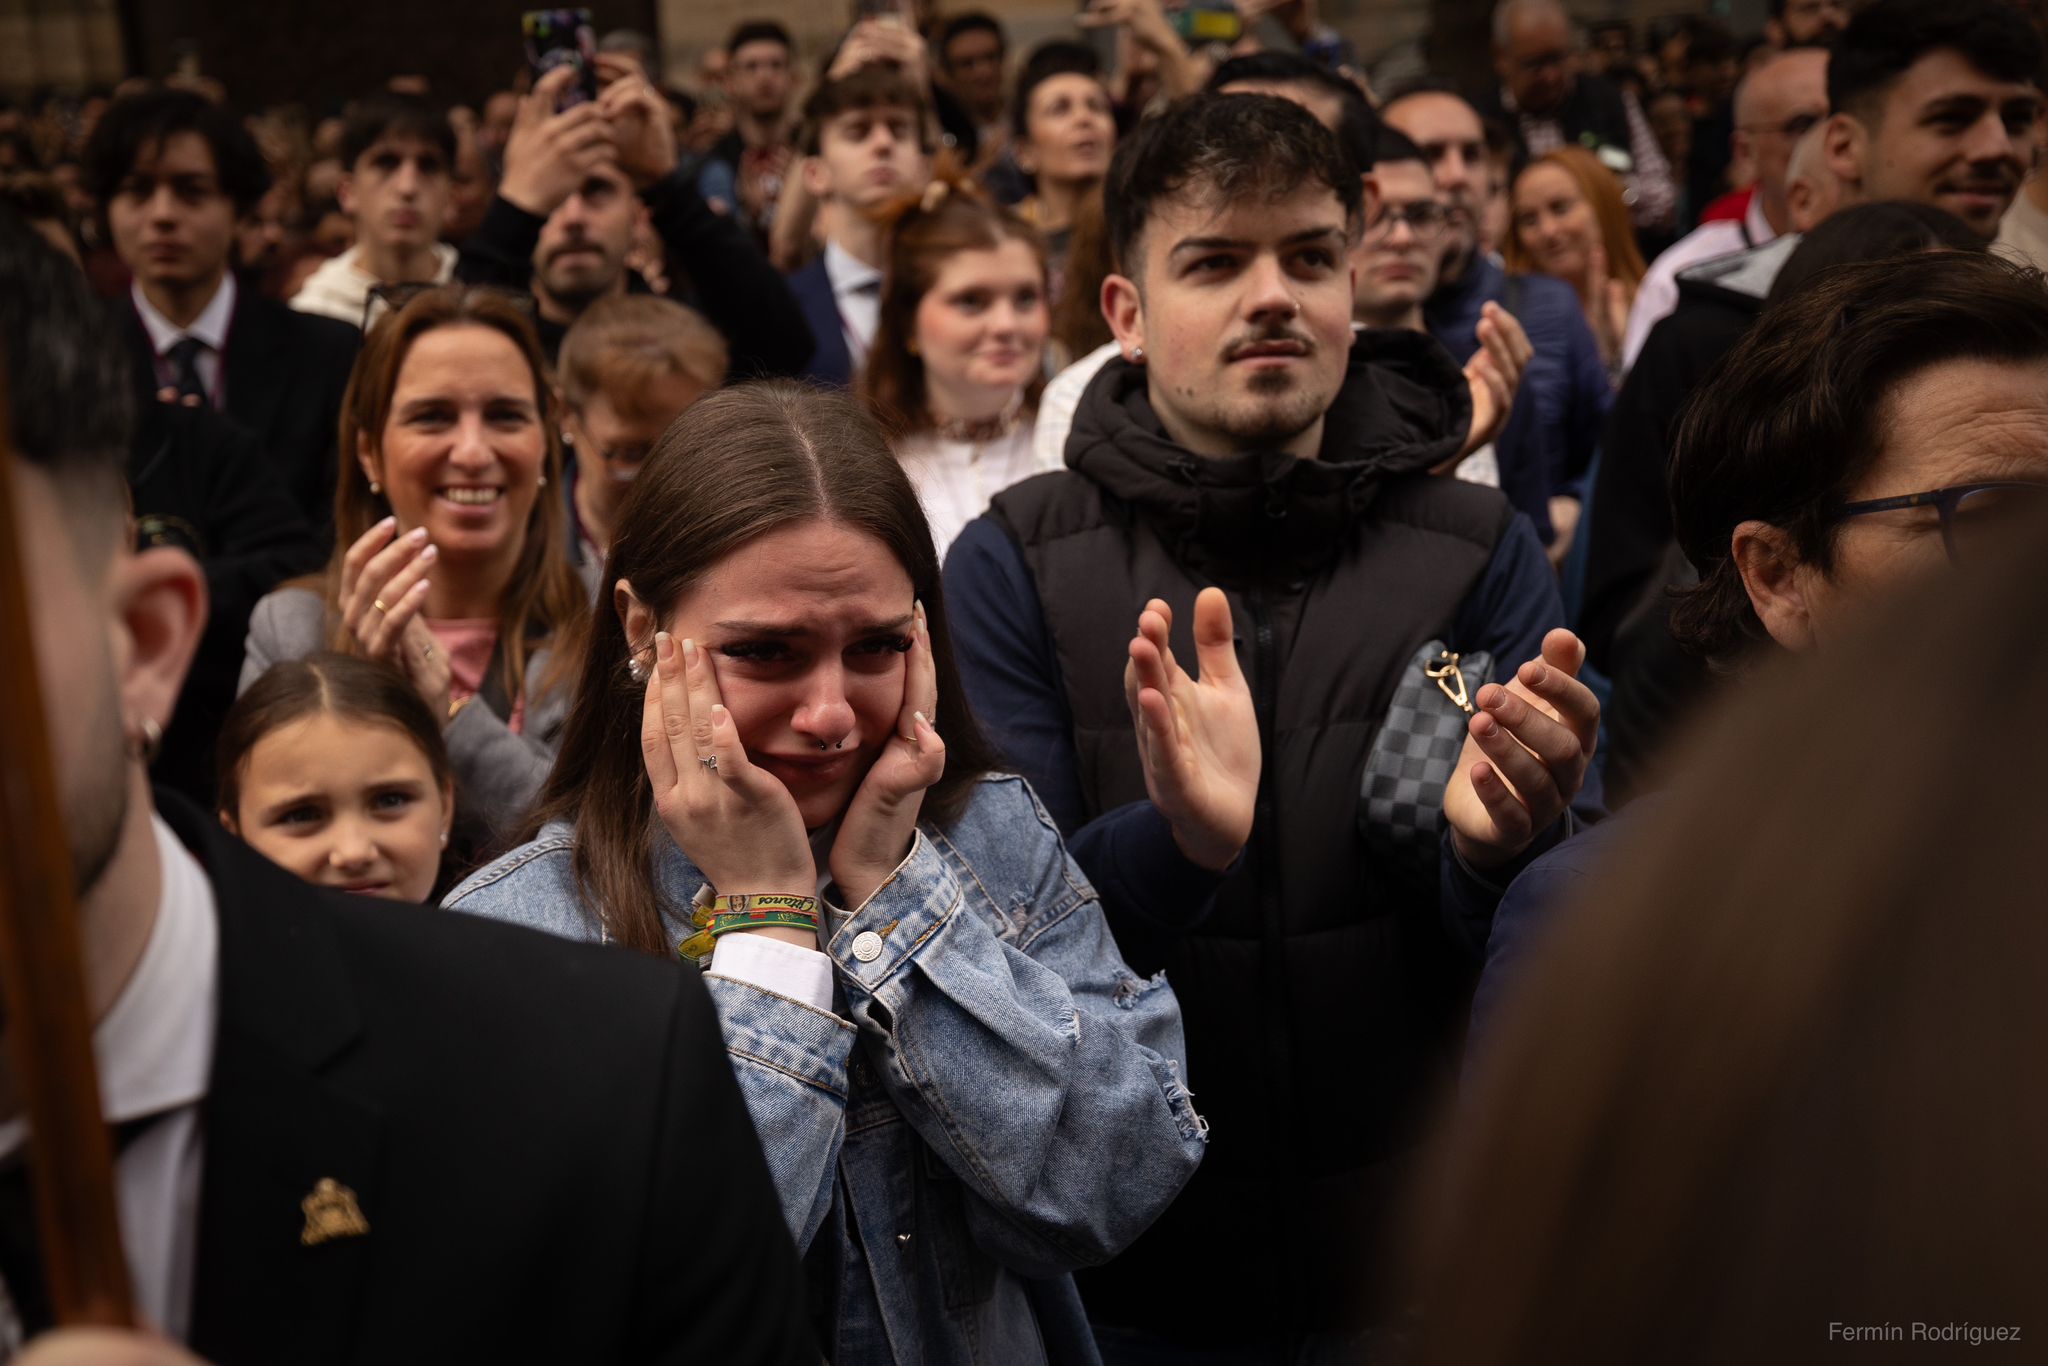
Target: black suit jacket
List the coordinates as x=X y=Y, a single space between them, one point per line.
x=830 y=363
x=285 y=373
x=200 y=481
x=545 y=1140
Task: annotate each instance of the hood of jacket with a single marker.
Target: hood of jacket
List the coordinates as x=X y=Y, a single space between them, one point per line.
x=1741 y=278
x=1404 y=408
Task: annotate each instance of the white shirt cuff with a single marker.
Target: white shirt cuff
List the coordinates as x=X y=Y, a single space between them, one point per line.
x=801 y=974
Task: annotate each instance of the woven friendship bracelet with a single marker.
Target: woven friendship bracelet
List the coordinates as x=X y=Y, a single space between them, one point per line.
x=757 y=920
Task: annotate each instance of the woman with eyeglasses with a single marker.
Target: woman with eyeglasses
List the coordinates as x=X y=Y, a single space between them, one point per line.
x=963 y=1092
x=629 y=366
x=450 y=558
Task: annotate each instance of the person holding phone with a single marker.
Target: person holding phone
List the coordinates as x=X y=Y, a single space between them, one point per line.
x=577 y=184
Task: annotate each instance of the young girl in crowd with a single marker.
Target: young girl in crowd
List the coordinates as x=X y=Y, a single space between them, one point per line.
x=629 y=365
x=959 y=353
x=1569 y=220
x=450 y=551
x=333 y=768
x=963 y=1092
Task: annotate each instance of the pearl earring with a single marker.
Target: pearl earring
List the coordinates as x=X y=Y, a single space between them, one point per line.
x=1137 y=355
x=376 y=489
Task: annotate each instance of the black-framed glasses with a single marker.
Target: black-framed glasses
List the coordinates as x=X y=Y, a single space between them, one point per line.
x=1971 y=514
x=1425 y=218
x=628 y=454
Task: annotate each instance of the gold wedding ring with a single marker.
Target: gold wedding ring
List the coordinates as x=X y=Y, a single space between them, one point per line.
x=378 y=603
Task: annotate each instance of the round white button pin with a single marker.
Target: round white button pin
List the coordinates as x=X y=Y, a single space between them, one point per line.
x=867 y=946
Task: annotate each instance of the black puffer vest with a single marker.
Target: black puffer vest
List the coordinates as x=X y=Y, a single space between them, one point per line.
x=1320 y=992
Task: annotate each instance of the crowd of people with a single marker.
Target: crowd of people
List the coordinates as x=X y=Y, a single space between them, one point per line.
x=1058 y=669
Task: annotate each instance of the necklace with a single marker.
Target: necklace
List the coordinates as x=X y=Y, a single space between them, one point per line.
x=981 y=430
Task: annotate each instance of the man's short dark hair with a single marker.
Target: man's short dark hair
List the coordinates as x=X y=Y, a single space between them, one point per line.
x=136 y=123
x=1234 y=147
x=874 y=86
x=973 y=21
x=1395 y=145
x=758 y=31
x=387 y=113
x=1789 y=421
x=1060 y=57
x=66 y=369
x=1889 y=36
x=1358 y=125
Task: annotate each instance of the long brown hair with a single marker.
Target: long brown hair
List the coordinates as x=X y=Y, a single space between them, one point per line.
x=738 y=464
x=544 y=593
x=924 y=232
x=1610 y=215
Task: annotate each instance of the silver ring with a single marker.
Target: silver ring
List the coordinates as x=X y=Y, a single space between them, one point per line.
x=709 y=761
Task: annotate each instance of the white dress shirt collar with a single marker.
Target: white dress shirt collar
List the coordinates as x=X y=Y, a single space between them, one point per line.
x=154 y=1046
x=211 y=326
x=857 y=290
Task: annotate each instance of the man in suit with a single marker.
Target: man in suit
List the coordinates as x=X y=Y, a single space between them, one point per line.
x=346 y=1132
x=1545 y=103
x=175 y=172
x=864 y=145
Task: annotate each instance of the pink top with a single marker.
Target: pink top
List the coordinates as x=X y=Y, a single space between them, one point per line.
x=468 y=645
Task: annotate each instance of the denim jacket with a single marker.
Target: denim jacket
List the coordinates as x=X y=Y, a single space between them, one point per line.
x=995 y=1102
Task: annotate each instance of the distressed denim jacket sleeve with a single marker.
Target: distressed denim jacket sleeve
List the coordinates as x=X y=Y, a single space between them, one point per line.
x=1034 y=1064
x=790 y=1060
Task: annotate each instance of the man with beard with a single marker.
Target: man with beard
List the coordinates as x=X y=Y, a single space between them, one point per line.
x=1932 y=104
x=1319 y=941
x=345 y=1133
x=577 y=185
x=1548 y=444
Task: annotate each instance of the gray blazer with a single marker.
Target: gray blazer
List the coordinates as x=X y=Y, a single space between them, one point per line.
x=497 y=773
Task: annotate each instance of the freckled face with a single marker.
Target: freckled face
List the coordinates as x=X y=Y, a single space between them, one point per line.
x=808 y=627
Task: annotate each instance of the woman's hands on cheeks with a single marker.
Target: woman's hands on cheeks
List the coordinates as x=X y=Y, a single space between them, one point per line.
x=738 y=824
x=383 y=567
x=1198 y=738
x=880 y=823
x=1525 y=756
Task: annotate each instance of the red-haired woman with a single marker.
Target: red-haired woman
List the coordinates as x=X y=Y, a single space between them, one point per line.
x=1569 y=220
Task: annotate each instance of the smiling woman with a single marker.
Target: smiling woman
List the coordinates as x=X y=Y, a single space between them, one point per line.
x=769 y=770
x=449 y=554
x=959 y=353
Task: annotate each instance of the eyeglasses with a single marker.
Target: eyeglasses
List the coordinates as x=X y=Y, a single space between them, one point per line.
x=630 y=456
x=1971 y=514
x=1794 y=128
x=1425 y=218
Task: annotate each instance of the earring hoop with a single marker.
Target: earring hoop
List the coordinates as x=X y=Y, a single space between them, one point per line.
x=151 y=742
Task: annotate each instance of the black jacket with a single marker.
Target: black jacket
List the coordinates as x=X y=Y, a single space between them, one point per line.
x=1631 y=558
x=199 y=481
x=545 y=1140
x=1592 y=116
x=285 y=374
x=744 y=297
x=1322 y=990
